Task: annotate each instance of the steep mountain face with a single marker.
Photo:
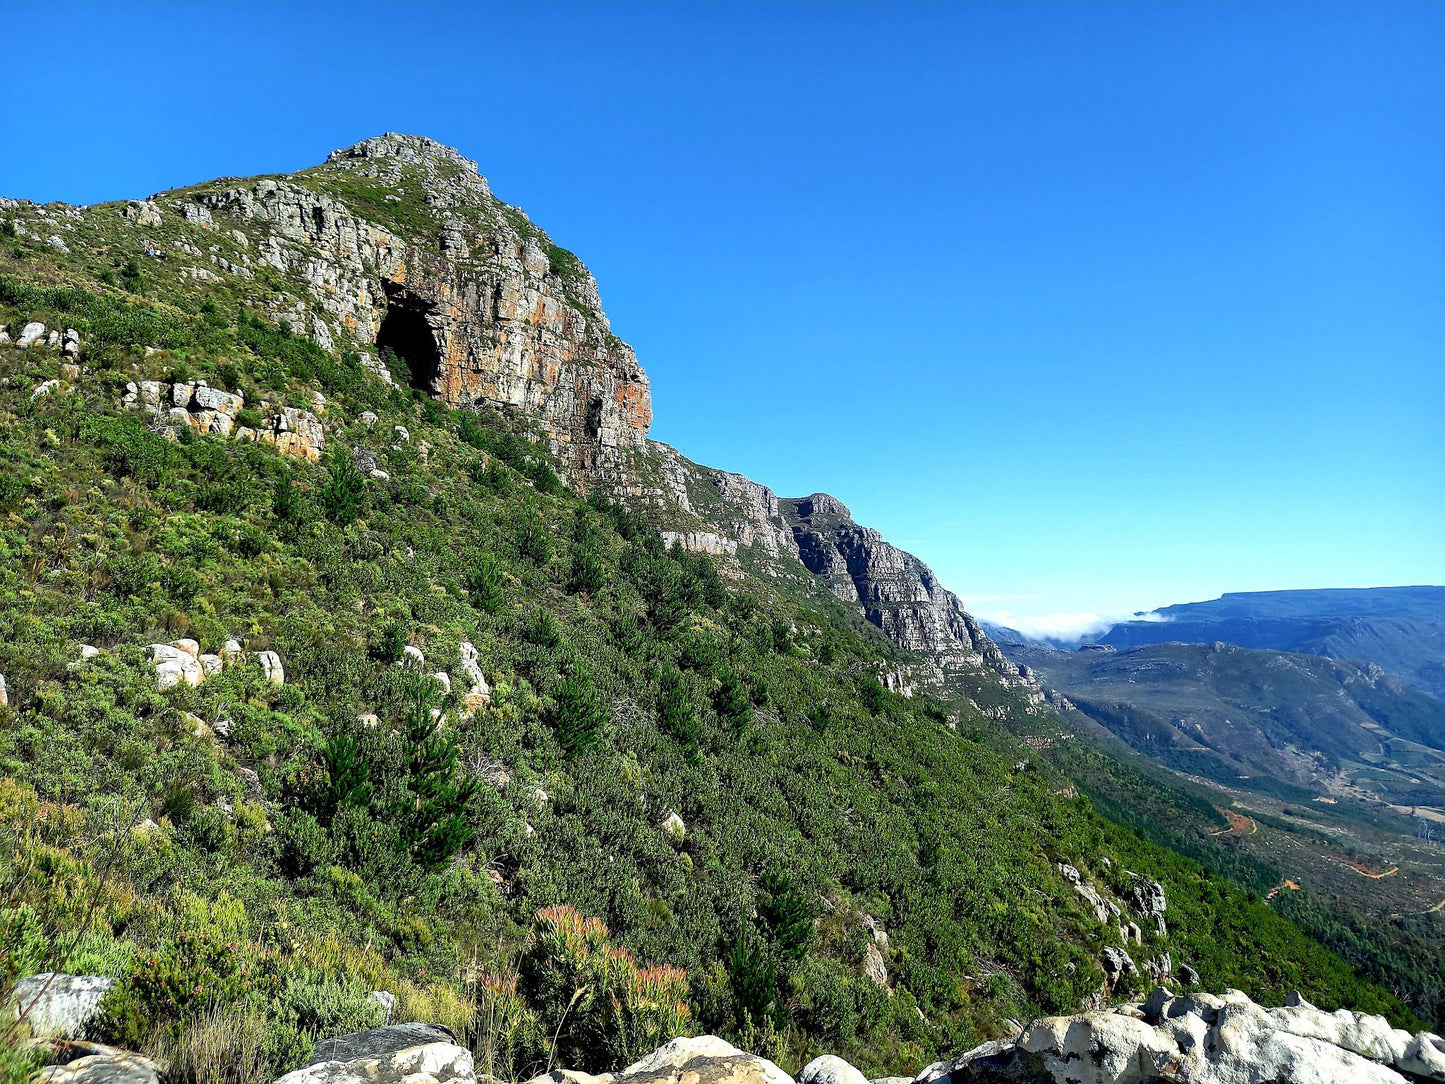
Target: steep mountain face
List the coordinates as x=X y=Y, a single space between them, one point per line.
x=491 y=312
x=386 y=697
x=1402 y=629
x=717 y=512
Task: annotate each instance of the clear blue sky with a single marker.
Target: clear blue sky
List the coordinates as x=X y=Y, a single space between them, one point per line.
x=1094 y=307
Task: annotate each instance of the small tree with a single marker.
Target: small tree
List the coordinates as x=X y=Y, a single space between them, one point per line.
x=387 y=644
x=432 y=817
x=787 y=918
x=347 y=775
x=578 y=713
x=753 y=979
x=731 y=699
x=676 y=714
x=343 y=490
x=534 y=542
x=130 y=276
x=484 y=582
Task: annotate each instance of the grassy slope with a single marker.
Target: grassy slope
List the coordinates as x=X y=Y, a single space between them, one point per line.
x=115 y=537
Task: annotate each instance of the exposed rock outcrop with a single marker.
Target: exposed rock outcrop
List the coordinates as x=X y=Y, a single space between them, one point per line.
x=291 y=430
x=58 y=1005
x=181 y=662
x=1203 y=1039
x=477 y=303
x=396 y=1054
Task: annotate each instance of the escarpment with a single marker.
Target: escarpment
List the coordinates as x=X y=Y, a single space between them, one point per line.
x=723 y=513
x=399 y=246
x=397 y=250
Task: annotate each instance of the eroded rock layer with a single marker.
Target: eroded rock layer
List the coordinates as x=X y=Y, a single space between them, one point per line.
x=401 y=244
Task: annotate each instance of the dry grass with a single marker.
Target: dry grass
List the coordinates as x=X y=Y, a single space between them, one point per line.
x=223 y=1045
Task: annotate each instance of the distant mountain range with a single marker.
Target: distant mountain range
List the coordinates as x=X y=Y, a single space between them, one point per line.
x=1259 y=717
x=1400 y=629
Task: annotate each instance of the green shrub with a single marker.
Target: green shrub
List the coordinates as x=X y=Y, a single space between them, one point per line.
x=343 y=490
x=578 y=713
x=432 y=815
x=601 y=1007
x=200 y=964
x=484 y=583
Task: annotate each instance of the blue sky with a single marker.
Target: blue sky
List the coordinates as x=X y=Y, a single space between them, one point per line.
x=1095 y=307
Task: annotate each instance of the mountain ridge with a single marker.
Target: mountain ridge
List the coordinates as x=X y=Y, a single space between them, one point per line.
x=395 y=708
x=509 y=319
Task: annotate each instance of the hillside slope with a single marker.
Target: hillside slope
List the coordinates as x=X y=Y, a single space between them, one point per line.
x=1230 y=713
x=333 y=665
x=1401 y=629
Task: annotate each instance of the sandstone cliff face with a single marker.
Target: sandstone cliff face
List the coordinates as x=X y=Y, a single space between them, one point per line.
x=898 y=593
x=400 y=243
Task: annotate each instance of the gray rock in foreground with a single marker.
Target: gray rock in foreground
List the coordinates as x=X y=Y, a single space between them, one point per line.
x=57 y=1005
x=398 y=1054
x=1203 y=1039
x=93 y=1063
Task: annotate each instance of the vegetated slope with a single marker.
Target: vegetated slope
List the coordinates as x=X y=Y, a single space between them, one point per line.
x=699 y=754
x=1230 y=713
x=1402 y=629
x=1335 y=840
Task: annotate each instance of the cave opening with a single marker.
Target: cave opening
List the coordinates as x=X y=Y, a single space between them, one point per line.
x=404 y=330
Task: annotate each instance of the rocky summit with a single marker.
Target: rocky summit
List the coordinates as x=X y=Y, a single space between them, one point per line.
x=398 y=242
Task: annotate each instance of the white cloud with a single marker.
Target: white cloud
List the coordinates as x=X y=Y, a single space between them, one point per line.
x=1064 y=626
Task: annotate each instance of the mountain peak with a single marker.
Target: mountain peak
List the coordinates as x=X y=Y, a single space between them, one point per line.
x=395 y=154
x=409 y=148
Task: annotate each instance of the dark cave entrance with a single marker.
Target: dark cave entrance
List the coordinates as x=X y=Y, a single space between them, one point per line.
x=405 y=331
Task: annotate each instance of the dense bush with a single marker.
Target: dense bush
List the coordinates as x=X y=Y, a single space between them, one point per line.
x=627 y=680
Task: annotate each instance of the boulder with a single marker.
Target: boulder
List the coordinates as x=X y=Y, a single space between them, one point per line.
x=295 y=432
x=673 y=826
x=1203 y=1039
x=411 y=655
x=142 y=212
x=271 y=666
x=830 y=1069
x=43 y=389
x=395 y=1054
x=175 y=665
x=1096 y=902
x=387 y=1000
x=480 y=693
x=31 y=333
x=703 y=1059
x=106 y=1066
x=1145 y=897
x=1188 y=976
x=875 y=966
x=571 y=1076
x=57 y=1004
x=1116 y=963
